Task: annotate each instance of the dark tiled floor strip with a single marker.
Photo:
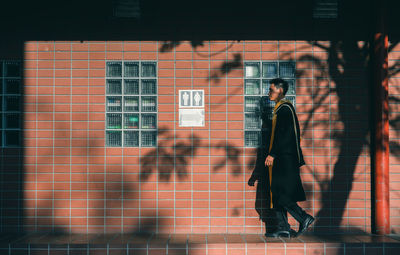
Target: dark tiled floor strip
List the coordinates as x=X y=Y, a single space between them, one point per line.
x=48 y=238
x=196 y=244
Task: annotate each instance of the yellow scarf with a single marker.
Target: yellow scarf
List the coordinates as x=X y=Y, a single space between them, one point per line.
x=270 y=145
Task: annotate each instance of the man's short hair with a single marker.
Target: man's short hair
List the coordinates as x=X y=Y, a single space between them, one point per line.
x=280 y=83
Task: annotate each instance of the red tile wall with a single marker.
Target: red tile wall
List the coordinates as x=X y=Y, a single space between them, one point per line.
x=394 y=136
x=72 y=182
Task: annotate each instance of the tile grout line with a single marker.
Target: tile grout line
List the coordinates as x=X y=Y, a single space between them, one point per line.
x=53 y=132
x=209 y=140
x=36 y=139
x=192 y=161
x=88 y=144
x=105 y=145
x=226 y=138
x=174 y=138
x=122 y=133
x=157 y=147
x=139 y=141
x=243 y=123
x=70 y=140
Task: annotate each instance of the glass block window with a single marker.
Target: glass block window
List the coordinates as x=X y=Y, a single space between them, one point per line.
x=10 y=103
x=257 y=106
x=131 y=104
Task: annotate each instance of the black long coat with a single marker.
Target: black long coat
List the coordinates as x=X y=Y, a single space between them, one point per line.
x=288 y=157
x=262 y=202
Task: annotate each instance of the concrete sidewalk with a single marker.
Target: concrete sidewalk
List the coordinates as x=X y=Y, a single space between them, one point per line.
x=113 y=244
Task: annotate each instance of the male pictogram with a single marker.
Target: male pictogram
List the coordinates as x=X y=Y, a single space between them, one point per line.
x=185 y=98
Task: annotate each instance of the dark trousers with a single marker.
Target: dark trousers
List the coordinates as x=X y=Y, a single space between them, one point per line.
x=293 y=209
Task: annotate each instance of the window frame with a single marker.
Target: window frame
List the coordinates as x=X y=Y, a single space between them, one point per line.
x=140 y=113
x=4 y=112
x=263 y=93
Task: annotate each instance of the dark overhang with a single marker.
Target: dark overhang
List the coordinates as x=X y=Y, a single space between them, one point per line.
x=207 y=19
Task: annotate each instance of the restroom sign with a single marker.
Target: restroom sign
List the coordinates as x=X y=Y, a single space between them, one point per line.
x=191 y=108
x=191 y=98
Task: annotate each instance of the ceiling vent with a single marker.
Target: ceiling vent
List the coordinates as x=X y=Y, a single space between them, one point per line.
x=325 y=9
x=127 y=9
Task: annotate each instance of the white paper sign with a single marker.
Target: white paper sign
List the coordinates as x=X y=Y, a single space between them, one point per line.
x=191 y=117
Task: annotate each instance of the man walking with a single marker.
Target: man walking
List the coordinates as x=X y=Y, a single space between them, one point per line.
x=283 y=163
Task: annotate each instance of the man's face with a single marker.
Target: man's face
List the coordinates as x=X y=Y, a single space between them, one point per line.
x=274 y=92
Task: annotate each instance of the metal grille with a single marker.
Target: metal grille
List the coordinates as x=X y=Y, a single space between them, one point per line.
x=149 y=87
x=252 y=138
x=252 y=87
x=114 y=69
x=114 y=87
x=149 y=121
x=114 y=120
x=149 y=69
x=292 y=99
x=12 y=138
x=131 y=138
x=252 y=121
x=13 y=86
x=266 y=108
x=131 y=121
x=149 y=104
x=148 y=138
x=286 y=70
x=114 y=104
x=325 y=9
x=270 y=70
x=292 y=87
x=113 y=138
x=131 y=104
x=131 y=87
x=10 y=103
x=257 y=106
x=252 y=104
x=12 y=69
x=252 y=70
x=131 y=69
x=12 y=120
x=127 y=8
x=13 y=103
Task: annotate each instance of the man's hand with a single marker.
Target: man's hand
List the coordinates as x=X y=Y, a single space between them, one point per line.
x=269 y=160
x=252 y=180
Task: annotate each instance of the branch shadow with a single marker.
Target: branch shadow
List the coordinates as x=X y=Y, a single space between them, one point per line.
x=176 y=158
x=227 y=67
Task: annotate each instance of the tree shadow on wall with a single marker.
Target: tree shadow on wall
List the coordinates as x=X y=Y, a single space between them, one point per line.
x=215 y=75
x=106 y=191
x=342 y=75
x=169 y=46
x=176 y=158
x=347 y=66
x=226 y=67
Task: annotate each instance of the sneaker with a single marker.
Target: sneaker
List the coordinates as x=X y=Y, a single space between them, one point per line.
x=278 y=233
